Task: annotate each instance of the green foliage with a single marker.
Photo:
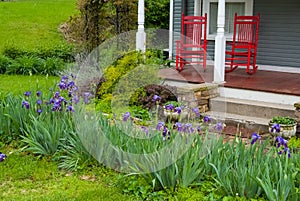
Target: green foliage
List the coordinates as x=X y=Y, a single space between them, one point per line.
x=99 y=20
x=43 y=136
x=64 y=52
x=294 y=142
x=157 y=14
x=139 y=112
x=123 y=69
x=31 y=65
x=38 y=61
x=4 y=63
x=73 y=155
x=283 y=120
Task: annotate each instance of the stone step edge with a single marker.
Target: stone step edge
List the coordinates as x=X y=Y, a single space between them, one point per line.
x=223 y=116
x=254 y=103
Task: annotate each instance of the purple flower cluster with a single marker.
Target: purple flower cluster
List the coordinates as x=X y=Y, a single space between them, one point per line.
x=156 y=98
x=280 y=143
x=196 y=111
x=275 y=128
x=2 y=156
x=126 y=116
x=255 y=137
x=57 y=102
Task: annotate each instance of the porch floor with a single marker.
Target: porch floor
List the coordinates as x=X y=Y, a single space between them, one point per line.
x=266 y=81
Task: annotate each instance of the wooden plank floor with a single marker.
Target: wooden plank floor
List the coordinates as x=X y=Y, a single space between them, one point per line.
x=267 y=81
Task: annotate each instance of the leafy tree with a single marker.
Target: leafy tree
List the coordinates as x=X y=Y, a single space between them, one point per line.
x=157 y=14
x=99 y=20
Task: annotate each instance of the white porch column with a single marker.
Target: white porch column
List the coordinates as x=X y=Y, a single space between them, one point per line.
x=141 y=35
x=171 y=21
x=220 y=45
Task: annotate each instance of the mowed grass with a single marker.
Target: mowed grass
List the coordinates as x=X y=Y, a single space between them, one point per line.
x=33 y=24
x=18 y=84
x=26 y=177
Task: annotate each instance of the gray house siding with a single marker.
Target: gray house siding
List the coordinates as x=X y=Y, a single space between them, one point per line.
x=279 y=32
x=179 y=7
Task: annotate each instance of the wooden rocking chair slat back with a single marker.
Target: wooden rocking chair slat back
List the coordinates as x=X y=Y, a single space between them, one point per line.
x=244 y=44
x=191 y=48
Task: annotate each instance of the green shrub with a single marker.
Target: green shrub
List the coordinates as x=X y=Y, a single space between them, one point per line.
x=64 y=52
x=53 y=66
x=121 y=68
x=25 y=65
x=4 y=63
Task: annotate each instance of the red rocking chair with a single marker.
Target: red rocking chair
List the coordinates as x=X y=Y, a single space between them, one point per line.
x=191 y=48
x=244 y=44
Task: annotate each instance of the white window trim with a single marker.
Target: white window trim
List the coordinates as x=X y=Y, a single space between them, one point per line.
x=206 y=6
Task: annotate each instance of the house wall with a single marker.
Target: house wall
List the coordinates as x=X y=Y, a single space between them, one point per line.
x=186 y=6
x=279 y=31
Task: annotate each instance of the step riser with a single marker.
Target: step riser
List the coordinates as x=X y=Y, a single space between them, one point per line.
x=249 y=110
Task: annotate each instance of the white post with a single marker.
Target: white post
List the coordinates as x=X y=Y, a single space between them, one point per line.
x=220 y=45
x=171 y=30
x=141 y=35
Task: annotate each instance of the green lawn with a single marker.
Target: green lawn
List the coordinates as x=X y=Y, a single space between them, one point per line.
x=33 y=23
x=18 y=84
x=25 y=177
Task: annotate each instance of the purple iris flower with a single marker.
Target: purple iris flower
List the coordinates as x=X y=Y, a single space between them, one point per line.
x=169 y=107
x=178 y=126
x=156 y=98
x=126 y=116
x=39 y=102
x=145 y=129
x=165 y=133
x=188 y=128
x=51 y=101
x=206 y=119
x=71 y=84
x=198 y=128
x=2 y=156
x=38 y=93
x=27 y=93
x=160 y=125
x=64 y=77
x=56 y=95
x=75 y=99
x=39 y=111
x=70 y=94
x=70 y=108
x=62 y=85
x=62 y=100
x=196 y=111
x=287 y=151
x=26 y=104
x=219 y=126
x=86 y=96
x=276 y=128
x=178 y=110
x=281 y=141
x=255 y=137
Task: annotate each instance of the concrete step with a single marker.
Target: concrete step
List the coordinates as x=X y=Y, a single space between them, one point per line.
x=241 y=125
x=250 y=108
